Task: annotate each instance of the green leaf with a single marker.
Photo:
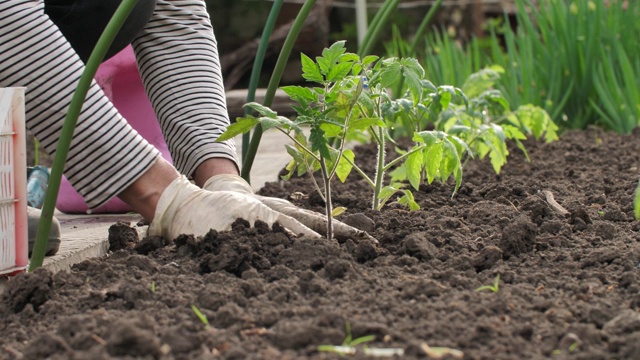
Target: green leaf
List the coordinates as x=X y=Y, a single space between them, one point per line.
x=349 y=57
x=445 y=99
x=295 y=154
x=414 y=164
x=331 y=129
x=480 y=81
x=300 y=94
x=344 y=166
x=390 y=74
x=310 y=70
x=365 y=123
x=339 y=71
x=433 y=161
x=241 y=126
x=262 y=110
x=319 y=142
x=337 y=211
x=330 y=56
x=408 y=200
x=369 y=59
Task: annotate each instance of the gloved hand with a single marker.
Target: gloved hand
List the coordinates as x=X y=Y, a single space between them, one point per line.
x=184 y=208
x=311 y=219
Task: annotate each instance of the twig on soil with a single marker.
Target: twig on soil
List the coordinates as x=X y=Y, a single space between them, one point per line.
x=98 y=339
x=13 y=352
x=554 y=204
x=441 y=352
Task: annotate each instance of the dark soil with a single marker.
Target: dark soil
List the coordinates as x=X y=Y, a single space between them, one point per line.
x=569 y=284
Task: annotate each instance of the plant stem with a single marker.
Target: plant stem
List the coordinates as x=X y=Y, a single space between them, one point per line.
x=379 y=170
x=70 y=121
x=419 y=36
x=327 y=200
x=257 y=66
x=247 y=162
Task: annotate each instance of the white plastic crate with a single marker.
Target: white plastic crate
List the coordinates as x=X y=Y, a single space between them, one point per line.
x=13 y=183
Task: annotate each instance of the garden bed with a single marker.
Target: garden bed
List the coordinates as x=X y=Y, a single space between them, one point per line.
x=568 y=283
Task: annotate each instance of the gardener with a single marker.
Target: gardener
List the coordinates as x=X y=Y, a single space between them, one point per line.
x=43 y=46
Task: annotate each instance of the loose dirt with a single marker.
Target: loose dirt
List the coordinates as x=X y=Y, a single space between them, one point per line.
x=568 y=281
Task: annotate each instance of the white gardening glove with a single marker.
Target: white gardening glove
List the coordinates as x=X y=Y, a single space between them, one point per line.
x=184 y=208
x=311 y=219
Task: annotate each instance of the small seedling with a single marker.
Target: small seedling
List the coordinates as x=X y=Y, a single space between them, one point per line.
x=494 y=287
x=201 y=316
x=153 y=287
x=349 y=346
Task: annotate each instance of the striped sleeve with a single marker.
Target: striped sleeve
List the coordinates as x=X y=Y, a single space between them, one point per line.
x=106 y=154
x=178 y=60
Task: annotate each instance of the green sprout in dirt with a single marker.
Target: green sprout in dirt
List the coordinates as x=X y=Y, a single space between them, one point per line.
x=153 y=287
x=350 y=346
x=493 y=287
x=201 y=316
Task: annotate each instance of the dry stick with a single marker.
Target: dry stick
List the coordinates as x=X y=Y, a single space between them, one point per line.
x=554 y=204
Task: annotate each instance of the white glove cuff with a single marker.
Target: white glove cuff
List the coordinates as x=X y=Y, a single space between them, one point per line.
x=228 y=182
x=172 y=197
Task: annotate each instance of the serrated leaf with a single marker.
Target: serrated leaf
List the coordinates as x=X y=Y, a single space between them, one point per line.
x=498 y=153
x=349 y=57
x=294 y=153
x=445 y=99
x=414 y=164
x=262 y=110
x=300 y=94
x=319 y=142
x=365 y=123
x=390 y=74
x=414 y=84
x=268 y=123
x=433 y=161
x=369 y=59
x=310 y=70
x=241 y=126
x=399 y=174
x=480 y=81
x=451 y=160
x=339 y=71
x=344 y=166
x=331 y=129
x=409 y=201
x=330 y=56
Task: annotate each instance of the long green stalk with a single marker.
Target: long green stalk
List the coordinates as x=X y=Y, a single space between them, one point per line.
x=70 y=121
x=247 y=162
x=376 y=26
x=257 y=66
x=423 y=27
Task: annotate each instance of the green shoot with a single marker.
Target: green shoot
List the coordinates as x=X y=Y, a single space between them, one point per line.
x=636 y=202
x=349 y=346
x=201 y=316
x=153 y=287
x=494 y=287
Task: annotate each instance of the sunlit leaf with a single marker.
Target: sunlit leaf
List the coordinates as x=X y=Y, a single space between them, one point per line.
x=344 y=166
x=310 y=70
x=414 y=165
x=241 y=126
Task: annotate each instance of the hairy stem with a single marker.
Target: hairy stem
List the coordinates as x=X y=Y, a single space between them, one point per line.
x=379 y=170
x=327 y=200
